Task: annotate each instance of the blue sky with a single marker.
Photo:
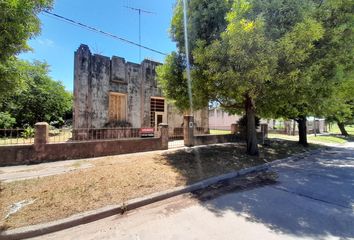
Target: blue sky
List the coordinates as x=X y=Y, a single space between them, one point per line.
x=58 y=40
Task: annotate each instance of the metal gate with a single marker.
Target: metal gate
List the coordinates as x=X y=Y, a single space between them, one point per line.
x=175 y=137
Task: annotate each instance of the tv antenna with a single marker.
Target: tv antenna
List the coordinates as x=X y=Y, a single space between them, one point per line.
x=140 y=11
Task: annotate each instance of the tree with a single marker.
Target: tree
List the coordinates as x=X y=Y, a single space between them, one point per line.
x=43 y=99
x=238 y=66
x=206 y=21
x=314 y=59
x=19 y=22
x=338 y=47
x=331 y=61
x=296 y=94
x=340 y=107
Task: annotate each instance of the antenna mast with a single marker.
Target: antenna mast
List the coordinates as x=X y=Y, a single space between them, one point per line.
x=140 y=11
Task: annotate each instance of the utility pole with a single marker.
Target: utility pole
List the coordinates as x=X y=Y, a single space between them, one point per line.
x=140 y=11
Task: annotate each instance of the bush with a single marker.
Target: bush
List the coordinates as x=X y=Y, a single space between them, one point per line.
x=53 y=131
x=6 y=120
x=28 y=132
x=242 y=123
x=118 y=124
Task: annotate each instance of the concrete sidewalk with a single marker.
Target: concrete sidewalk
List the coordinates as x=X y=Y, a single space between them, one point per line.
x=313 y=199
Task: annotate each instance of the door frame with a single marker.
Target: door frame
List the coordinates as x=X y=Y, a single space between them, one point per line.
x=163 y=119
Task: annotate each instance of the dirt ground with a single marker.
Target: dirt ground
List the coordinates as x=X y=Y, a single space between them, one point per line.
x=116 y=179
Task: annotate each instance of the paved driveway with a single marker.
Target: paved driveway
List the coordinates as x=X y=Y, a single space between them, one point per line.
x=313 y=199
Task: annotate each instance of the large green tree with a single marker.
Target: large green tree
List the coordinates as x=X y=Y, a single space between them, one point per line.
x=43 y=99
x=206 y=21
x=311 y=76
x=245 y=68
x=338 y=49
x=238 y=66
x=18 y=23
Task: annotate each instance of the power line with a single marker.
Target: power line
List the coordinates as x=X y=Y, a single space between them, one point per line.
x=82 y=25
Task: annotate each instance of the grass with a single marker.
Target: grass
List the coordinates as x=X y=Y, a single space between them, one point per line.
x=328 y=139
x=333 y=139
x=219 y=132
x=114 y=180
x=335 y=129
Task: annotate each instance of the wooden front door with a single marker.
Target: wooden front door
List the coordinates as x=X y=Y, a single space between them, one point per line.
x=117 y=107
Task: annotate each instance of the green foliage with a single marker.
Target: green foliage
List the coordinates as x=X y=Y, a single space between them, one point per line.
x=18 y=23
x=240 y=64
x=28 y=132
x=242 y=122
x=206 y=20
x=337 y=52
x=173 y=82
x=313 y=74
x=6 y=120
x=42 y=99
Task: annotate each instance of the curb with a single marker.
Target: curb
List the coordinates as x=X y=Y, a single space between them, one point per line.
x=94 y=215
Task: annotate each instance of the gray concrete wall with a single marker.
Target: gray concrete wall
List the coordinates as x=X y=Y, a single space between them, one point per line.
x=95 y=76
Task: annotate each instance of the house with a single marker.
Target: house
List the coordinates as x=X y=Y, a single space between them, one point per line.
x=111 y=92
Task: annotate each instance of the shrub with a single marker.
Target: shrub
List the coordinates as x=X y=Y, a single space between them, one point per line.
x=242 y=123
x=118 y=124
x=6 y=120
x=28 y=132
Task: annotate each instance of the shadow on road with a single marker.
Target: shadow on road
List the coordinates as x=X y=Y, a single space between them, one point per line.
x=311 y=197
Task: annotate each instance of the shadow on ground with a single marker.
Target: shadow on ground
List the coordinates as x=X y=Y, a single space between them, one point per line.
x=311 y=197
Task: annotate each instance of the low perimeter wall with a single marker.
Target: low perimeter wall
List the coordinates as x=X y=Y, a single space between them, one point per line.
x=43 y=151
x=212 y=139
x=28 y=154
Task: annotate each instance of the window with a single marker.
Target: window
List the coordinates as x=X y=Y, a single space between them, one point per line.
x=117 y=107
x=157 y=105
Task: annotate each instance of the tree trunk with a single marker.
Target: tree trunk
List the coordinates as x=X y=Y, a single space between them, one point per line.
x=342 y=129
x=302 y=131
x=251 y=136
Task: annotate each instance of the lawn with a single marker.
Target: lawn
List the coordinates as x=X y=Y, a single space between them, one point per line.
x=219 y=132
x=333 y=139
x=335 y=129
x=116 y=179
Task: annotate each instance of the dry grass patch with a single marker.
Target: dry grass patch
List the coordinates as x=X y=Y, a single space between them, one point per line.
x=114 y=180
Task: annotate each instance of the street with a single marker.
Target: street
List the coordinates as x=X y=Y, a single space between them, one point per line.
x=312 y=199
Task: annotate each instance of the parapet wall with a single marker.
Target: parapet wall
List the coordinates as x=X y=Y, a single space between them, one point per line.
x=95 y=76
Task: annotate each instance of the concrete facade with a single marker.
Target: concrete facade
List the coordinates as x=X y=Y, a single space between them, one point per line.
x=96 y=77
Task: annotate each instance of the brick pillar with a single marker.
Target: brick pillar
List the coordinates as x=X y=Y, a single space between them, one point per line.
x=264 y=130
x=41 y=136
x=234 y=128
x=188 y=131
x=164 y=135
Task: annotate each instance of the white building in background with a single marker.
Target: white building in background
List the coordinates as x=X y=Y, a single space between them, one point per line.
x=219 y=119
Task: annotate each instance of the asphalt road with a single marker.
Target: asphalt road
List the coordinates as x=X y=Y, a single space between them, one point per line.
x=312 y=199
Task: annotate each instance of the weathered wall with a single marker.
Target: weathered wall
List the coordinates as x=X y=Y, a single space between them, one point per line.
x=96 y=76
x=213 y=139
x=27 y=154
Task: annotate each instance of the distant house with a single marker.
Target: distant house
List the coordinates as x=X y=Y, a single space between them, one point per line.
x=219 y=119
x=111 y=90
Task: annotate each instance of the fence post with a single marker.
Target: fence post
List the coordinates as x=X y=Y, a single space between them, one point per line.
x=234 y=128
x=164 y=135
x=264 y=130
x=188 y=131
x=41 y=136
